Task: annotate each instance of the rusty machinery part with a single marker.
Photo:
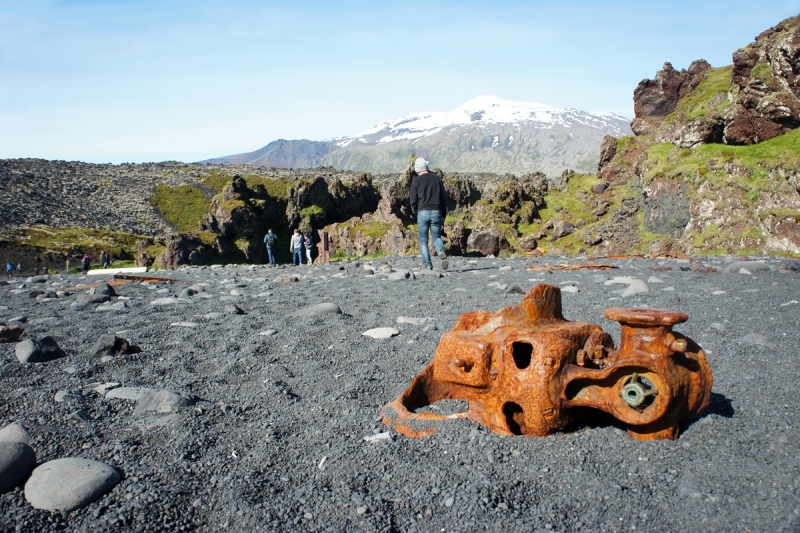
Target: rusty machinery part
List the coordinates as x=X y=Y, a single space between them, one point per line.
x=599 y=266
x=525 y=370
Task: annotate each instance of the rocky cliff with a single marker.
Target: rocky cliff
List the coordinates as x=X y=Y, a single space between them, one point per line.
x=715 y=160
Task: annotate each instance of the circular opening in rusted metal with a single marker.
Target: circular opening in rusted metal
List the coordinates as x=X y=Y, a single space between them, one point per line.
x=522 y=352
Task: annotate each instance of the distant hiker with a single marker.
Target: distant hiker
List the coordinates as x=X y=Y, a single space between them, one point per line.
x=67 y=265
x=429 y=201
x=9 y=270
x=296 y=248
x=35 y=270
x=308 y=242
x=19 y=269
x=271 y=240
x=104 y=258
x=85 y=263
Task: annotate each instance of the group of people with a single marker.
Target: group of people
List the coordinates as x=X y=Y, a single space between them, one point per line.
x=297 y=244
x=10 y=270
x=428 y=200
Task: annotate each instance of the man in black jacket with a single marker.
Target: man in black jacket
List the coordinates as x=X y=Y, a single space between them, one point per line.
x=429 y=201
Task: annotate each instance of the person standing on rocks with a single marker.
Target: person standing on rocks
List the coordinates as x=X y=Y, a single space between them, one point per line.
x=296 y=248
x=104 y=258
x=19 y=269
x=9 y=270
x=308 y=242
x=271 y=240
x=85 y=264
x=429 y=201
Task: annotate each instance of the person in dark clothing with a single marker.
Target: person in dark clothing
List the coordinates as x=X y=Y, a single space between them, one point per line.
x=85 y=263
x=271 y=240
x=429 y=201
x=104 y=258
x=308 y=244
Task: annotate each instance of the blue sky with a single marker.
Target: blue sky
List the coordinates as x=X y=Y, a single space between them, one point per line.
x=114 y=81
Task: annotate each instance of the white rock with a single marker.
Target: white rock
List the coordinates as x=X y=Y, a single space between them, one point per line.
x=507 y=267
x=653 y=279
x=169 y=301
x=104 y=388
x=381 y=333
x=790 y=302
x=570 y=288
x=625 y=280
x=15 y=433
x=668 y=289
x=717 y=293
x=70 y=483
x=636 y=287
x=185 y=324
x=744 y=271
x=269 y=332
x=411 y=320
x=378 y=437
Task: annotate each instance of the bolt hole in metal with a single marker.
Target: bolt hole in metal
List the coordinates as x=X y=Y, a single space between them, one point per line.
x=522 y=352
x=638 y=392
x=514 y=417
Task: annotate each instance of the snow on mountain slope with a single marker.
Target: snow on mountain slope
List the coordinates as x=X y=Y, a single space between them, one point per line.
x=484 y=112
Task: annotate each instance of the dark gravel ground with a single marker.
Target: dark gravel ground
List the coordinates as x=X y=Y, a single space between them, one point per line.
x=277 y=444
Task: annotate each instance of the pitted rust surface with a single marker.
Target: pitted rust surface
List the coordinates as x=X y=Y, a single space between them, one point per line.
x=525 y=370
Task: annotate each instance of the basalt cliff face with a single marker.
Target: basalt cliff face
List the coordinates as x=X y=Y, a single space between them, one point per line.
x=716 y=152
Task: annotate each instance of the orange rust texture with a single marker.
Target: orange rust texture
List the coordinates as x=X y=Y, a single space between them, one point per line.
x=525 y=370
x=599 y=266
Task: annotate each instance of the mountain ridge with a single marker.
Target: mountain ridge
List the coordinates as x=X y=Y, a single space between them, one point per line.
x=485 y=134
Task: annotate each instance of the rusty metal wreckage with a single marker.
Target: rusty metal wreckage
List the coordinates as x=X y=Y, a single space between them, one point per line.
x=525 y=370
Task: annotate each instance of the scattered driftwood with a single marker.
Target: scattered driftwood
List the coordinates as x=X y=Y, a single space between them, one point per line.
x=590 y=266
x=150 y=279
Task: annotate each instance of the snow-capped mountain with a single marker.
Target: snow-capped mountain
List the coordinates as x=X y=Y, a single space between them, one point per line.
x=487 y=112
x=486 y=134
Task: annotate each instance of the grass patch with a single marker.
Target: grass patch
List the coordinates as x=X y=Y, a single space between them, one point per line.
x=312 y=210
x=72 y=240
x=217 y=180
x=696 y=103
x=183 y=206
x=275 y=187
x=781 y=213
x=373 y=230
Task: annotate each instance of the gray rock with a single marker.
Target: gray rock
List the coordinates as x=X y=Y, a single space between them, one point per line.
x=213 y=316
x=399 y=276
x=70 y=483
x=68 y=396
x=48 y=295
x=107 y=359
x=112 y=345
x=15 y=433
x=87 y=299
x=17 y=459
x=431 y=327
x=317 y=310
x=80 y=415
x=637 y=286
x=10 y=333
x=38 y=351
x=515 y=289
x=754 y=339
x=411 y=320
x=269 y=333
x=233 y=309
x=187 y=293
x=37 y=279
x=750 y=266
x=164 y=401
x=104 y=289
x=128 y=393
x=562 y=228
x=169 y=301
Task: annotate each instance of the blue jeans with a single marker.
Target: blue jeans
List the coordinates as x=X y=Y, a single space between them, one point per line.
x=297 y=256
x=429 y=220
x=271 y=252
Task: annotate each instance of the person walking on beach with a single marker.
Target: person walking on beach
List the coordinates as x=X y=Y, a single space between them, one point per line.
x=85 y=263
x=19 y=269
x=271 y=240
x=104 y=258
x=308 y=242
x=9 y=270
x=429 y=202
x=296 y=248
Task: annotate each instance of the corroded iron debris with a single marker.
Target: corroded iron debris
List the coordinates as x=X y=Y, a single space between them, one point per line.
x=525 y=370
